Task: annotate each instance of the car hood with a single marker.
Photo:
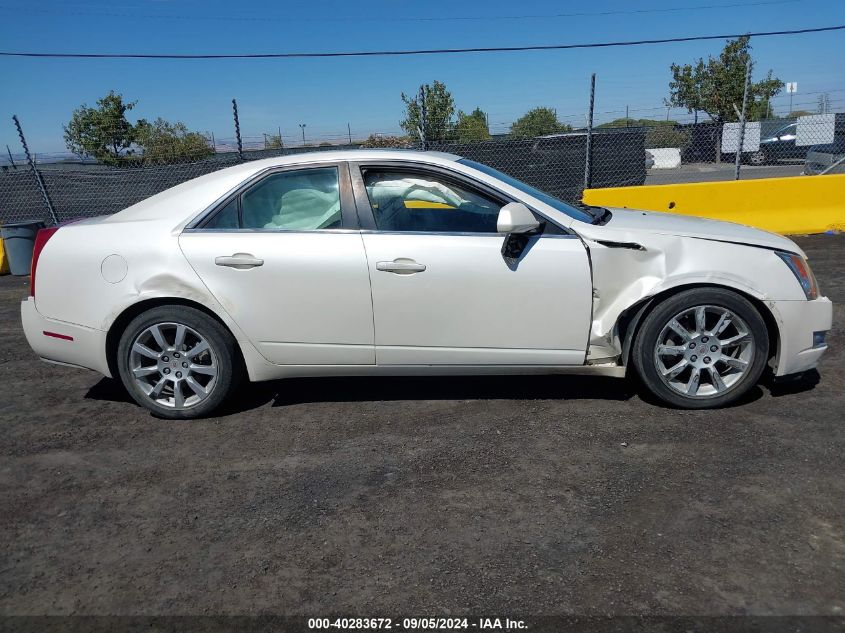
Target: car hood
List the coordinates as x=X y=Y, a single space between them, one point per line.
x=635 y=221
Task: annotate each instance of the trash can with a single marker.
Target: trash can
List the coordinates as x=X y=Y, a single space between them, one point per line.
x=18 y=240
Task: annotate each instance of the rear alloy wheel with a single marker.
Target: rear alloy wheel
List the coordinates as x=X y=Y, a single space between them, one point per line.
x=177 y=362
x=701 y=348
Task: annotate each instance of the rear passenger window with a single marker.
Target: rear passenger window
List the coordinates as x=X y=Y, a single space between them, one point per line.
x=226 y=218
x=304 y=200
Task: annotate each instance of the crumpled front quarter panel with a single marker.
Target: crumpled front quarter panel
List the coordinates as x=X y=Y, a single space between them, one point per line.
x=623 y=276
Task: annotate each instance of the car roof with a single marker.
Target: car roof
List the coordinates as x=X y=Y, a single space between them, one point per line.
x=185 y=200
x=356 y=155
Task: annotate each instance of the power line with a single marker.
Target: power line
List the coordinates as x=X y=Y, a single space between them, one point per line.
x=400 y=19
x=430 y=51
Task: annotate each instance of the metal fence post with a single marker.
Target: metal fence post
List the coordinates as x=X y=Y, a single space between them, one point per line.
x=422 y=126
x=39 y=181
x=742 y=118
x=588 y=160
x=238 y=130
x=11 y=160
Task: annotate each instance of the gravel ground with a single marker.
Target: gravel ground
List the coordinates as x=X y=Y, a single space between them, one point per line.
x=504 y=495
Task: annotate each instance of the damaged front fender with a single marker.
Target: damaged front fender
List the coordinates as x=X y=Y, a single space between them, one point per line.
x=625 y=278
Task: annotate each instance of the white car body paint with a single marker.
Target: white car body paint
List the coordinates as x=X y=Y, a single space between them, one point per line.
x=320 y=305
x=469 y=307
x=290 y=304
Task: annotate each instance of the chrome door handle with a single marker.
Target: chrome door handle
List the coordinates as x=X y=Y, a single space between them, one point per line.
x=239 y=261
x=401 y=266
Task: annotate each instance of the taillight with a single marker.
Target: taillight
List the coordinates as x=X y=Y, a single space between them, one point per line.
x=41 y=239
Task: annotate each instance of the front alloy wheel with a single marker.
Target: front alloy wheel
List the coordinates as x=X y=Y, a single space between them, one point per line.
x=703 y=351
x=177 y=361
x=701 y=348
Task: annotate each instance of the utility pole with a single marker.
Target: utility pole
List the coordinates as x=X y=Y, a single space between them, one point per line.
x=349 y=131
x=302 y=127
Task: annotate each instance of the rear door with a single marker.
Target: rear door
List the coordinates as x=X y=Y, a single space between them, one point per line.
x=285 y=258
x=443 y=294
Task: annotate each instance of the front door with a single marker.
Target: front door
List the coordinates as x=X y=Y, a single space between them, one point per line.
x=285 y=259
x=443 y=294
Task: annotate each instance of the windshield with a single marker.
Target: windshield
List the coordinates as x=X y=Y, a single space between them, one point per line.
x=555 y=203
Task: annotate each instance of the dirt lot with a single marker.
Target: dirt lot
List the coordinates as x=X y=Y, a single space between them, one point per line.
x=422 y=496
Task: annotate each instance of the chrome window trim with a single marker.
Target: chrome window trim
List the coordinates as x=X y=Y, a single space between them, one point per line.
x=347 y=202
x=246 y=231
x=569 y=236
x=365 y=212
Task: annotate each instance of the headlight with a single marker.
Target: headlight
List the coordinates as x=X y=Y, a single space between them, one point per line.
x=801 y=269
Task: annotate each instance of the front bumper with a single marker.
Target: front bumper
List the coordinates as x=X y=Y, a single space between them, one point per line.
x=798 y=321
x=62 y=342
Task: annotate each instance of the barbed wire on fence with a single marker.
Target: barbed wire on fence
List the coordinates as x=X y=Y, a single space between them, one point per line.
x=629 y=145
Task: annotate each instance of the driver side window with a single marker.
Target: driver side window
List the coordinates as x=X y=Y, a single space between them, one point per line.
x=425 y=202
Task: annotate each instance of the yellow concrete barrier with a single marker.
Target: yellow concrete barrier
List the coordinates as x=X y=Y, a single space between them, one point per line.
x=796 y=205
x=4 y=261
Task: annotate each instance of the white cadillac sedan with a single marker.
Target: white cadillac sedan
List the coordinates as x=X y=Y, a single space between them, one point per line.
x=378 y=262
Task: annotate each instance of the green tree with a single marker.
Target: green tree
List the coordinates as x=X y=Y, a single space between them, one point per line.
x=716 y=86
x=659 y=132
x=623 y=122
x=387 y=141
x=163 y=142
x=472 y=127
x=538 y=122
x=439 y=110
x=102 y=132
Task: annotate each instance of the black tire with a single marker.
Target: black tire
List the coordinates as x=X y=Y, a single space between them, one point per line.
x=222 y=348
x=644 y=352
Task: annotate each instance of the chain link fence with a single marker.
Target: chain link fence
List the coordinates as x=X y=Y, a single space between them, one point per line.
x=617 y=154
x=772 y=148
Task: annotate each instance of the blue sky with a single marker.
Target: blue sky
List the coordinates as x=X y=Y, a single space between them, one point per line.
x=326 y=94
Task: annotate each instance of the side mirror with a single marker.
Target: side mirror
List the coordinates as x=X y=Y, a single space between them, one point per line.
x=515 y=217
